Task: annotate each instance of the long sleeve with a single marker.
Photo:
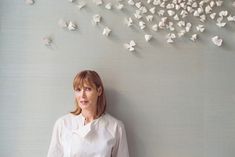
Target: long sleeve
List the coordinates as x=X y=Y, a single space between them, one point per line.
x=55 y=149
x=121 y=147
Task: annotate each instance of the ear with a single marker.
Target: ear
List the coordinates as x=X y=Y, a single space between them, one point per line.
x=99 y=91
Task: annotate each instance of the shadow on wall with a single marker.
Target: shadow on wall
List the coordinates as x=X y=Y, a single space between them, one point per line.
x=120 y=107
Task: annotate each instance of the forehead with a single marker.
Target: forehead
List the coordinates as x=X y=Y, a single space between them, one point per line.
x=83 y=82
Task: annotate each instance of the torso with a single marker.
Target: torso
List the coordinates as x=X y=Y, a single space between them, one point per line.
x=95 y=139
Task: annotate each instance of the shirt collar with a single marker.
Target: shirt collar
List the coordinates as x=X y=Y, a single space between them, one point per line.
x=84 y=130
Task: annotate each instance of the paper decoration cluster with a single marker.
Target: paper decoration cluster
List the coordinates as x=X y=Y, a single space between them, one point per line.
x=175 y=17
x=172 y=17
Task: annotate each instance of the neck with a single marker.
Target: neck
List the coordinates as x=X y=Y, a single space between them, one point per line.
x=89 y=116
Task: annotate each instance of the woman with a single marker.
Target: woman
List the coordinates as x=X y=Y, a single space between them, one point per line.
x=88 y=131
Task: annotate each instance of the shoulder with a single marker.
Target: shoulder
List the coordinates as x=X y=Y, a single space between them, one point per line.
x=66 y=121
x=110 y=119
x=66 y=118
x=111 y=123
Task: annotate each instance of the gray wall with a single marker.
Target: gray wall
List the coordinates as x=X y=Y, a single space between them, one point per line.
x=175 y=100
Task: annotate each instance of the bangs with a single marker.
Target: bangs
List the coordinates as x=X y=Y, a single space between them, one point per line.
x=80 y=82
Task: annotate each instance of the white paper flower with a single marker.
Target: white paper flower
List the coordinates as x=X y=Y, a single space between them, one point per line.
x=217 y=40
x=182 y=5
x=128 y=21
x=194 y=5
x=188 y=27
x=96 y=19
x=200 y=10
x=181 y=33
x=181 y=23
x=81 y=4
x=142 y=24
x=176 y=17
x=149 y=18
x=170 y=37
x=221 y=24
x=174 y=2
x=143 y=10
x=208 y=9
x=131 y=2
x=190 y=9
x=196 y=13
x=170 y=6
x=219 y=19
x=184 y=13
x=148 y=37
x=162 y=24
x=138 y=14
x=212 y=16
x=194 y=37
x=170 y=23
x=98 y=2
x=108 y=6
x=72 y=26
x=200 y=28
x=219 y=3
x=155 y=27
x=47 y=41
x=152 y=10
x=149 y=1
x=163 y=5
x=170 y=26
x=29 y=2
x=203 y=18
x=161 y=12
x=130 y=46
x=106 y=31
x=138 y=4
x=170 y=40
x=171 y=12
x=119 y=6
x=223 y=13
x=201 y=3
x=212 y=4
x=164 y=19
x=231 y=18
x=156 y=2
x=177 y=7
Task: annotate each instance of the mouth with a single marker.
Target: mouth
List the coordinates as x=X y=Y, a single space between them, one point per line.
x=83 y=102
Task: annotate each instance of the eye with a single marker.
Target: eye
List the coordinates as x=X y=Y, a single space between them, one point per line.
x=87 y=89
x=78 y=89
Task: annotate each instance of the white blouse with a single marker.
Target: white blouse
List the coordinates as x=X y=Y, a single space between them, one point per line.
x=103 y=137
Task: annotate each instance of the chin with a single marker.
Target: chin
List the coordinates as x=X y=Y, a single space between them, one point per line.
x=84 y=106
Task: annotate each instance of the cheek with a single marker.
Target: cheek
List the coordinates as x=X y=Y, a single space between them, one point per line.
x=76 y=95
x=95 y=97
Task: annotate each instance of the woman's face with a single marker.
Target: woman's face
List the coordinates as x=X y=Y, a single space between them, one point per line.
x=87 y=96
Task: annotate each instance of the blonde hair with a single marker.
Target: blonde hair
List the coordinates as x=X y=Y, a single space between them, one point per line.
x=93 y=79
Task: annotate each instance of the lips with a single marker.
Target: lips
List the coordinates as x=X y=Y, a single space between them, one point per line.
x=83 y=102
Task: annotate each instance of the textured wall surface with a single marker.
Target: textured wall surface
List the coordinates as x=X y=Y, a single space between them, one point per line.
x=176 y=100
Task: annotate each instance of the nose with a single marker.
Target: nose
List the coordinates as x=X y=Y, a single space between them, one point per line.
x=83 y=94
